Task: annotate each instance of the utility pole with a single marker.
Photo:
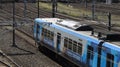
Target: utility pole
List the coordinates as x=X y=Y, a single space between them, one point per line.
x=86 y=3
x=37 y=27
x=54 y=7
x=0 y=4
x=25 y=8
x=56 y=4
x=68 y=2
x=14 y=24
x=108 y=1
x=93 y=9
x=38 y=8
x=109 y=21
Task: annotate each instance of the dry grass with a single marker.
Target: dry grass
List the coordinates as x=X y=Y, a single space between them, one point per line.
x=83 y=12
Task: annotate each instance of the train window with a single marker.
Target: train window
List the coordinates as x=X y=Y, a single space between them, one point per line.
x=48 y=34
x=65 y=42
x=45 y=32
x=110 y=60
x=74 y=46
x=70 y=44
x=80 y=48
x=90 y=52
x=51 y=35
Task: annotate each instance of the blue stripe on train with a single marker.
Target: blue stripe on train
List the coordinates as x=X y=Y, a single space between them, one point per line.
x=111 y=46
x=49 y=42
x=73 y=54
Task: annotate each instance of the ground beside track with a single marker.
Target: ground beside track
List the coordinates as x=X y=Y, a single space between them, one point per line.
x=24 y=54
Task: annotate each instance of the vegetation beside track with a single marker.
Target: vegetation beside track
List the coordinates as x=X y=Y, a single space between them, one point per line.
x=80 y=13
x=65 y=9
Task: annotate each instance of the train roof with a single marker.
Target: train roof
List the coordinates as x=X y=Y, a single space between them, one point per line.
x=77 y=26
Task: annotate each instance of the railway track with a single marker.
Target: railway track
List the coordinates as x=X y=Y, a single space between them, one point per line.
x=24 y=35
x=96 y=25
x=32 y=10
x=6 y=61
x=19 y=12
x=27 y=37
x=101 y=7
x=19 y=15
x=25 y=52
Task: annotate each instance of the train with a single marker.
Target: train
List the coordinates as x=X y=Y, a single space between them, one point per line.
x=78 y=42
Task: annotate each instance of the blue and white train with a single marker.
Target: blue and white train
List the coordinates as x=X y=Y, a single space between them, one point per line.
x=74 y=41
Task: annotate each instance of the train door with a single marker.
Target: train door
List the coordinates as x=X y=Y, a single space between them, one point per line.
x=99 y=53
x=90 y=56
x=38 y=32
x=110 y=60
x=58 y=41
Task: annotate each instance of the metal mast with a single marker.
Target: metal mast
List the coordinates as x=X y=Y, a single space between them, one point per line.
x=93 y=9
x=109 y=21
x=53 y=8
x=38 y=17
x=14 y=23
x=38 y=9
x=25 y=8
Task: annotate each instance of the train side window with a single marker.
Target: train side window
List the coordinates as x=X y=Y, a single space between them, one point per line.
x=90 y=52
x=80 y=48
x=48 y=34
x=110 y=60
x=70 y=44
x=74 y=46
x=65 y=42
x=51 y=36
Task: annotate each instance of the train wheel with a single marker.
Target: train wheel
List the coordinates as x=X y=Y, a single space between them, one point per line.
x=40 y=48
